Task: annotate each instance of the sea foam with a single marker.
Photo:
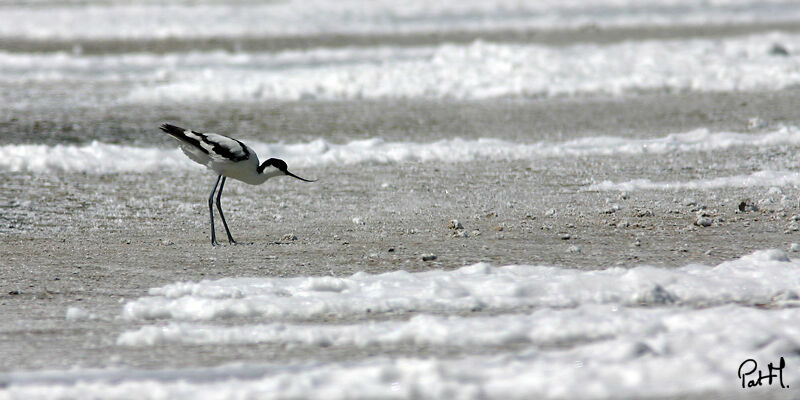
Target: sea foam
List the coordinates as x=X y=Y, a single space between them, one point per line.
x=756 y=179
x=98 y=157
x=621 y=332
x=483 y=70
x=760 y=278
x=149 y=19
x=475 y=71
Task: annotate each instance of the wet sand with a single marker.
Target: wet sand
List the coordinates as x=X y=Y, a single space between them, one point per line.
x=548 y=37
x=95 y=241
x=517 y=120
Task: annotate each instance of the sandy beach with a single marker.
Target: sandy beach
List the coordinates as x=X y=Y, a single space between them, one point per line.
x=152 y=229
x=79 y=245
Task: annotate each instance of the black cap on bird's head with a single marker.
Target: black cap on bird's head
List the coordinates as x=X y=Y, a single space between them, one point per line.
x=280 y=165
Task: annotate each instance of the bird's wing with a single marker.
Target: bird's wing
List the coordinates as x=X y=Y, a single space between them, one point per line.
x=223 y=148
x=204 y=147
x=195 y=154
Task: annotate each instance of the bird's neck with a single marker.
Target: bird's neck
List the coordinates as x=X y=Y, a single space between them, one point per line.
x=268 y=173
x=258 y=177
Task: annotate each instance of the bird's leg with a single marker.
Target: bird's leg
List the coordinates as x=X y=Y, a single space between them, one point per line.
x=219 y=207
x=211 y=212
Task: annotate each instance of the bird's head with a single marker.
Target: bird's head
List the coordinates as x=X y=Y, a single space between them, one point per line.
x=277 y=167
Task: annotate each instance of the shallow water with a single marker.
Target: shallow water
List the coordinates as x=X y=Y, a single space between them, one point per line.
x=624 y=177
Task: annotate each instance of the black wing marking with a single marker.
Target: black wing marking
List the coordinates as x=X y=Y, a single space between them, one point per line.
x=180 y=134
x=211 y=144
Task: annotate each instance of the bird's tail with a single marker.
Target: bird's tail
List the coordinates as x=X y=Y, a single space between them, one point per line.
x=186 y=136
x=175 y=131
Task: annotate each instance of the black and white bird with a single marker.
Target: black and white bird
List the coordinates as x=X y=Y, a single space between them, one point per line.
x=228 y=158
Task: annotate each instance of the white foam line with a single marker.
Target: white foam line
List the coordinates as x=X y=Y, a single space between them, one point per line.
x=760 y=278
x=488 y=70
x=148 y=67
x=649 y=353
x=546 y=328
x=473 y=71
x=125 y=20
x=756 y=179
x=98 y=157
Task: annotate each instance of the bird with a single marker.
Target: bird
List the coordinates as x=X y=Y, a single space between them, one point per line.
x=228 y=158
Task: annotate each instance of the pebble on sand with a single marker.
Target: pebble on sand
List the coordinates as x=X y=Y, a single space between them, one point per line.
x=457 y=228
x=703 y=221
x=611 y=209
x=460 y=233
x=747 y=205
x=454 y=224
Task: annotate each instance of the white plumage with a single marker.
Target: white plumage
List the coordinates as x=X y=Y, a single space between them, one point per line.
x=228 y=158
